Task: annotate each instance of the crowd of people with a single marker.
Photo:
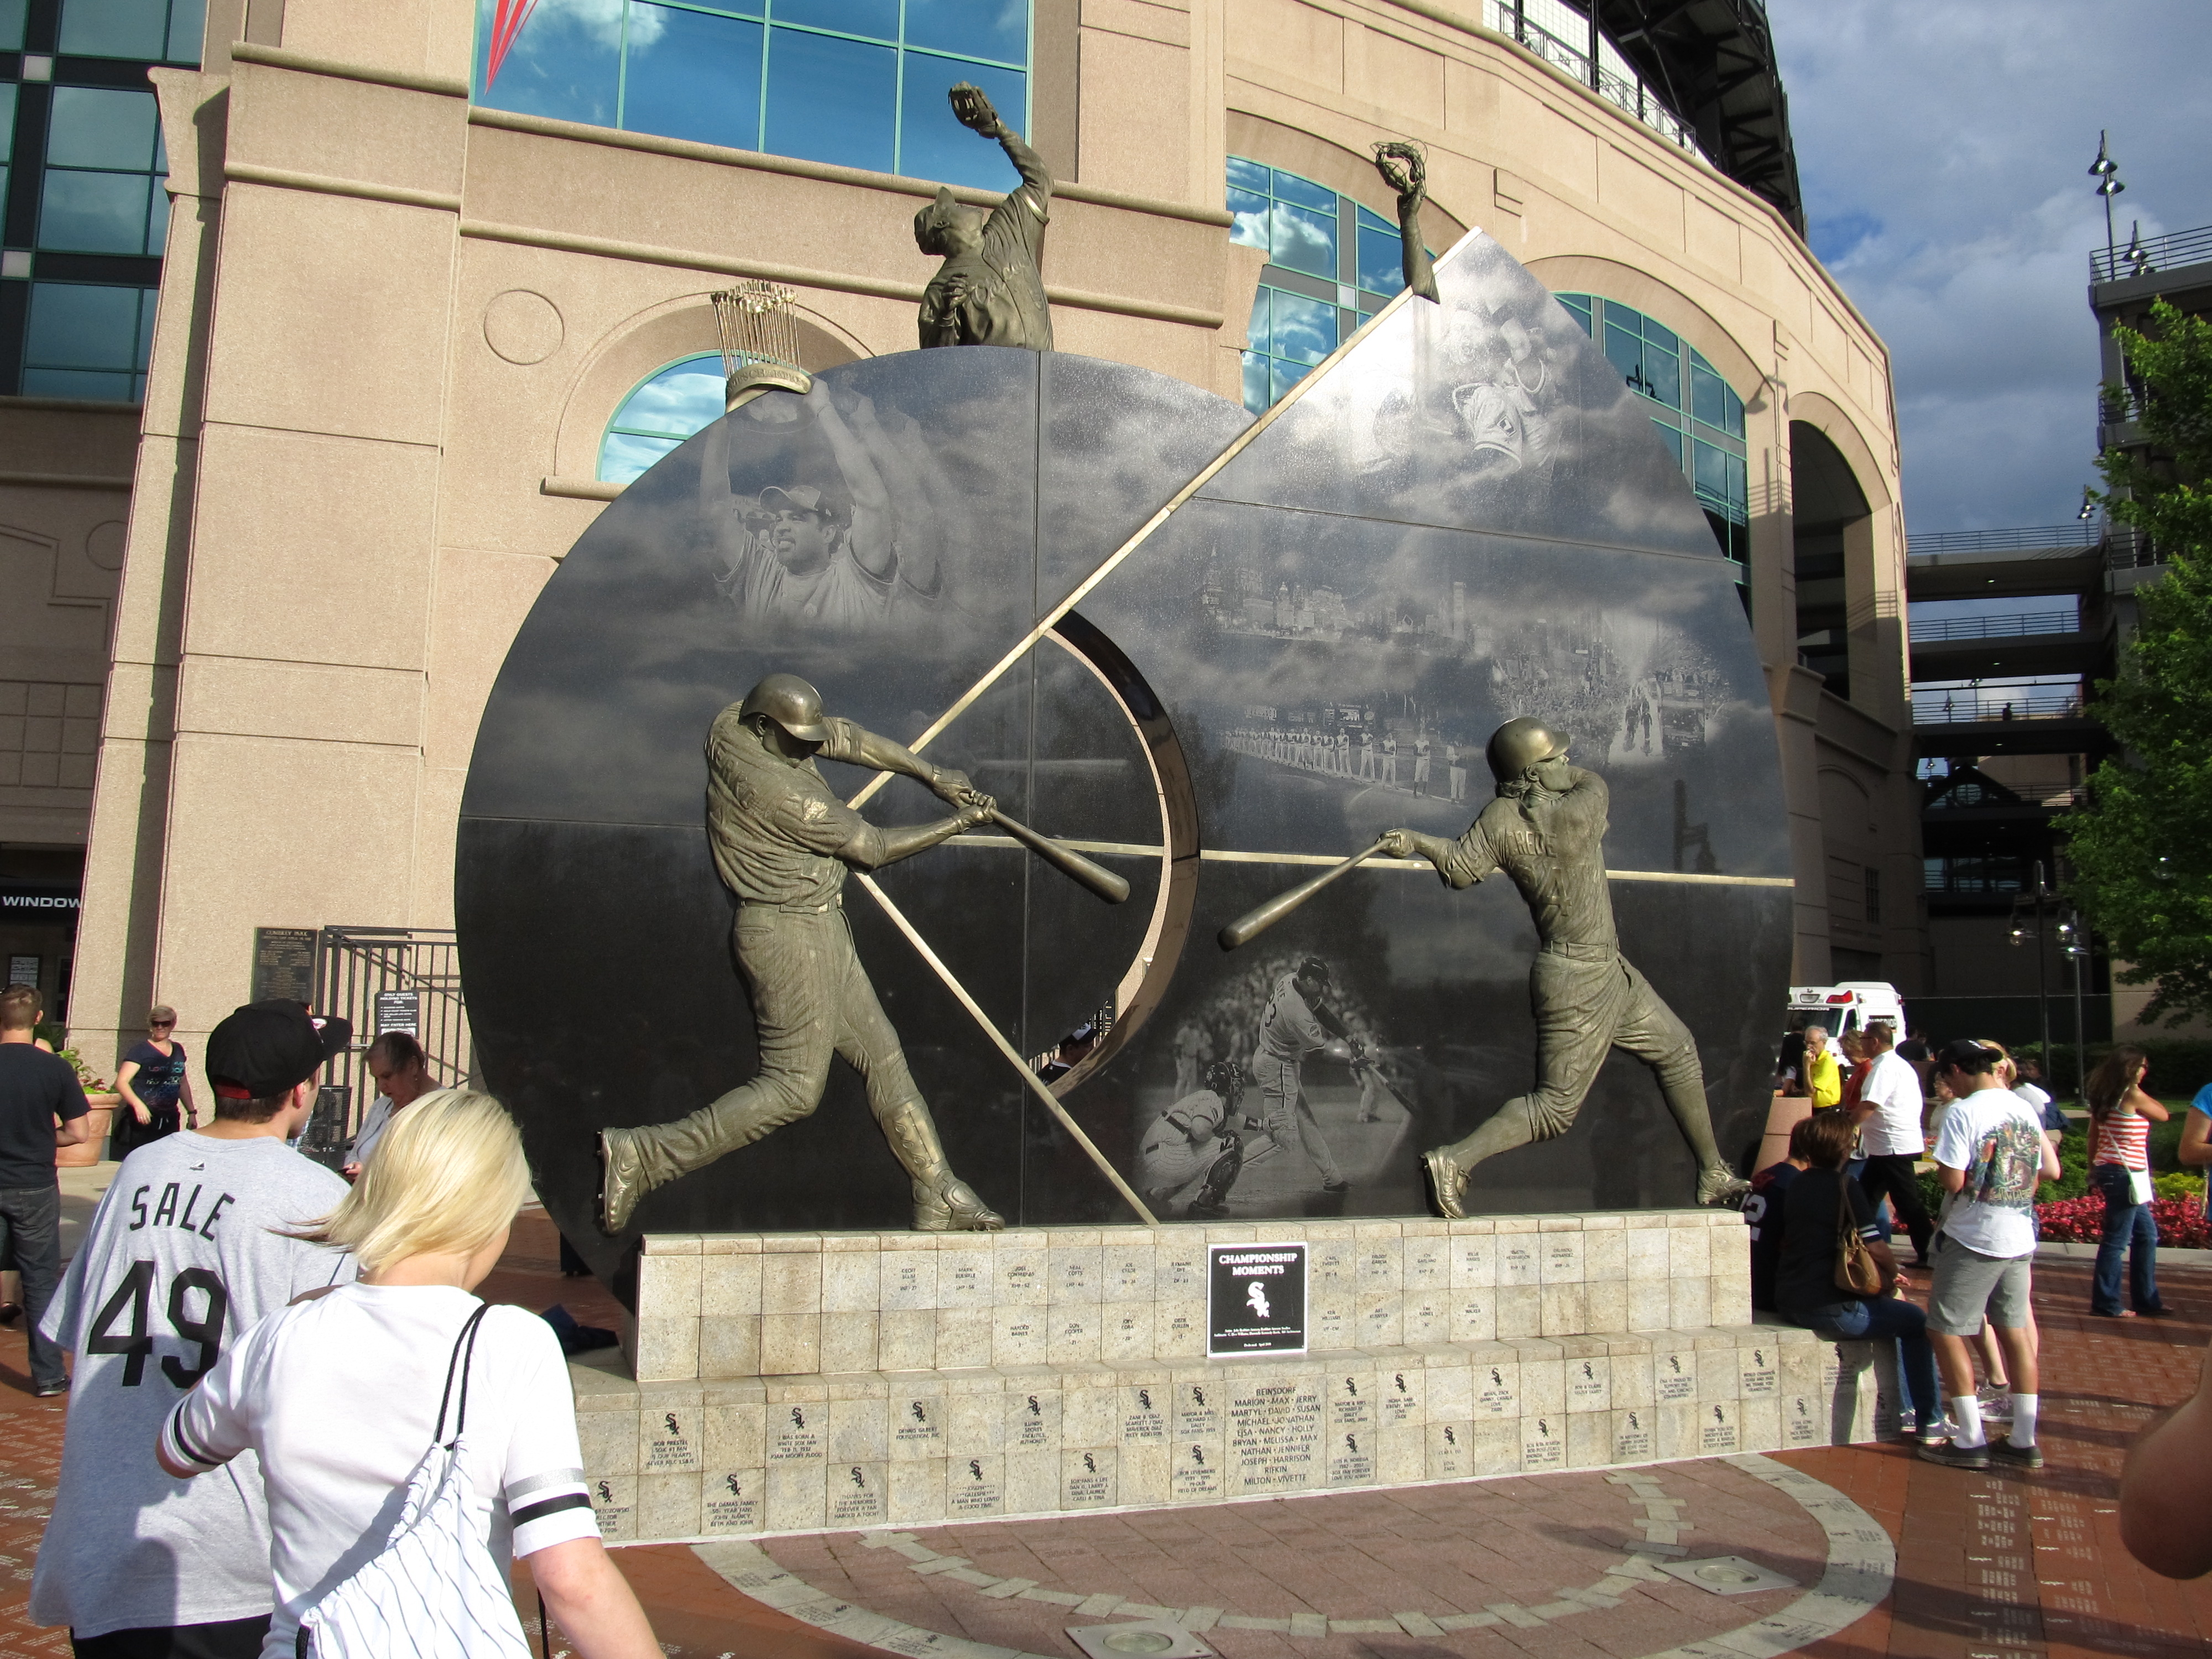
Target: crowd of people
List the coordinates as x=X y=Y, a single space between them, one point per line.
x=292 y=1429
x=1361 y=753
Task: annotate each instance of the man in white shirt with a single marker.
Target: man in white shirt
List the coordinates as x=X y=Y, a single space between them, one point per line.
x=185 y=1253
x=1990 y=1156
x=1889 y=1114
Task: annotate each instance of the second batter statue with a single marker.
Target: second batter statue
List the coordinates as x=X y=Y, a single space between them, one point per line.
x=1546 y=830
x=782 y=841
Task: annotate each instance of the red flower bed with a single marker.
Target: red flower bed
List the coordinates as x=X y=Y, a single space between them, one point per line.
x=2082 y=1221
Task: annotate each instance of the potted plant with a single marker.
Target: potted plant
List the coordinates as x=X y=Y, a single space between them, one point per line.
x=103 y=1101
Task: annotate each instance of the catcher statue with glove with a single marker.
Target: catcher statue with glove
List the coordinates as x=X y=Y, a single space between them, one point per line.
x=990 y=289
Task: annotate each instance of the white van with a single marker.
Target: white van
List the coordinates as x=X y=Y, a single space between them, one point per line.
x=1847 y=1006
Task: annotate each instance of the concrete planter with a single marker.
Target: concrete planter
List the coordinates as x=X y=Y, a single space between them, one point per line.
x=89 y=1150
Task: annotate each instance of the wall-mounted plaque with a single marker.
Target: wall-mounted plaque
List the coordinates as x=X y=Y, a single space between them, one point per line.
x=1255 y=1299
x=400 y=1011
x=284 y=964
x=22 y=970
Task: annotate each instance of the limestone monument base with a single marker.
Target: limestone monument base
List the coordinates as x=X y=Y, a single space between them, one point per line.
x=793 y=1382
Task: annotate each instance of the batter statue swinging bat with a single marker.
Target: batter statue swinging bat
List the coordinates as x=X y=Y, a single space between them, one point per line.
x=781 y=841
x=1546 y=830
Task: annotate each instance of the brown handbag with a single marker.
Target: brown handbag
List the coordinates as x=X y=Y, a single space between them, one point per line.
x=1856 y=1271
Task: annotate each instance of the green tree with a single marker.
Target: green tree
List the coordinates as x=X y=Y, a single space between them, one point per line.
x=2142 y=848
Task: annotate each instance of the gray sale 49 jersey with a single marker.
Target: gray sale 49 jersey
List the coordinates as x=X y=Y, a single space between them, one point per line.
x=184 y=1255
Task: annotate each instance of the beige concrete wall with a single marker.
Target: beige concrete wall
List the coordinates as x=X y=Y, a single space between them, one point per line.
x=393 y=330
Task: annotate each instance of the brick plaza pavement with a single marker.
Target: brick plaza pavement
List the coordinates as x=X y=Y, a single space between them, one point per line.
x=2002 y=1566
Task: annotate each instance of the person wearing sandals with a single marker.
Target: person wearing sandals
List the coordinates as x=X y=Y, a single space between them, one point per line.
x=1990 y=1156
x=1805 y=1288
x=340 y=1394
x=2120 y=1116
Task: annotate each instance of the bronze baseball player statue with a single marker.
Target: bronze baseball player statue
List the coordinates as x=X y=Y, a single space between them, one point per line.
x=1546 y=830
x=990 y=289
x=781 y=841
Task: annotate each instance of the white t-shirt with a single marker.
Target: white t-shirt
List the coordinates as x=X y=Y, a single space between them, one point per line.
x=1996 y=1137
x=339 y=1396
x=181 y=1262
x=1892 y=1089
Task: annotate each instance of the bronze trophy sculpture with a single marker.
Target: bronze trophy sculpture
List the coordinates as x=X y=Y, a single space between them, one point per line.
x=990 y=289
x=1405 y=171
x=783 y=841
x=1546 y=830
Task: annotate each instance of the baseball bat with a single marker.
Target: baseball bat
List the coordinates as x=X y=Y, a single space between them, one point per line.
x=1098 y=878
x=1260 y=917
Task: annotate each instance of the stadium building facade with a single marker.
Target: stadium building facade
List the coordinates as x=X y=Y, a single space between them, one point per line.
x=417 y=287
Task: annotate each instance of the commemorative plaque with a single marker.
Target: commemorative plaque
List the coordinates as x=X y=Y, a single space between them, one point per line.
x=1255 y=1299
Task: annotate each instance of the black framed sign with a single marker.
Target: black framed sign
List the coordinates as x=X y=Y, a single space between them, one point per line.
x=1256 y=1300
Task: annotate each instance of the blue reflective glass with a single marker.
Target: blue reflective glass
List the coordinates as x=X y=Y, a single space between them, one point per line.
x=75 y=383
x=566 y=64
x=1256 y=394
x=149 y=301
x=677 y=402
x=157 y=217
x=624 y=456
x=98 y=127
x=1287 y=375
x=972 y=29
x=1256 y=331
x=1304 y=240
x=1372 y=220
x=877 y=19
x=187 y=28
x=1673 y=437
x=933 y=145
x=1657 y=333
x=690 y=75
x=831 y=101
x=1663 y=369
x=6 y=117
x=94 y=212
x=1624 y=350
x=1578 y=308
x=1739 y=486
x=1382 y=261
x=1289 y=187
x=1243 y=174
x=115 y=28
x=1707 y=392
x=1709 y=469
x=1301 y=329
x=1248 y=216
x=12 y=13
x=74 y=325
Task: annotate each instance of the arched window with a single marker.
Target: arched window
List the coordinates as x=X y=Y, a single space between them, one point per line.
x=1331 y=265
x=859 y=83
x=665 y=410
x=1697 y=412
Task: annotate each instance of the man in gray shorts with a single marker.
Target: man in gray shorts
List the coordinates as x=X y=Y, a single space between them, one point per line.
x=1989 y=1155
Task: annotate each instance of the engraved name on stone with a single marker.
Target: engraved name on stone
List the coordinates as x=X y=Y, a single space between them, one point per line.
x=670 y=1448
x=1198 y=1411
x=1758 y=1378
x=1031 y=1429
x=1144 y=1422
x=974 y=1487
x=1351 y=1457
x=970 y=1280
x=1196 y=1474
x=1717 y=1431
x=1087 y=1483
x=906 y=1280
x=1584 y=1382
x=797 y=1437
x=1494 y=1391
x=1517 y=1263
x=1631 y=1441
x=1351 y=1403
x=1676 y=1379
x=732 y=1503
x=1800 y=1427
x=857 y=1497
x=917 y=1424
x=1542 y=1446
x=1274 y=1429
x=1400 y=1402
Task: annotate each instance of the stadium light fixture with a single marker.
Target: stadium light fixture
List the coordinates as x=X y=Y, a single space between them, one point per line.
x=2107 y=172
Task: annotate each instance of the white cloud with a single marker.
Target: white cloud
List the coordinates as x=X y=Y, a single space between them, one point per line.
x=1944 y=153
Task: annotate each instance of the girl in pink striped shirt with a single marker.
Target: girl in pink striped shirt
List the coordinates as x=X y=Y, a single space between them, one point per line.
x=2120 y=1116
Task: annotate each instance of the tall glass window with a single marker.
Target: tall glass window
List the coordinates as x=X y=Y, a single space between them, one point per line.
x=151 y=31
x=1331 y=265
x=1697 y=412
x=88 y=341
x=858 y=83
x=105 y=165
x=666 y=407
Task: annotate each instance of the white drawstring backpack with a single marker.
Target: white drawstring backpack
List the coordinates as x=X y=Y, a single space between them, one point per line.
x=434 y=1590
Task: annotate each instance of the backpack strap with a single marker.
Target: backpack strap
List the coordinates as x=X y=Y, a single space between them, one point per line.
x=459 y=1362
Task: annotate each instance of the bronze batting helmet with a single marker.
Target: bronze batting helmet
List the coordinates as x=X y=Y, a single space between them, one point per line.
x=1520 y=744
x=792 y=703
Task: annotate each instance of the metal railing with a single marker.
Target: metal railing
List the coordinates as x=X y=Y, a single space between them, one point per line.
x=1998 y=628
x=1981 y=708
x=2127 y=548
x=384 y=979
x=2141 y=259
x=2053 y=541
x=2054 y=797
x=1970 y=877
x=1512 y=19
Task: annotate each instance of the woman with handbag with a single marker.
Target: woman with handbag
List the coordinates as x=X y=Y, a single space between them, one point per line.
x=2120 y=1116
x=1837 y=1278
x=412 y=1437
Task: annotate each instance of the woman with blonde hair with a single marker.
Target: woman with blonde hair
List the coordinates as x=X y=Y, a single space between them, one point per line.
x=343 y=1393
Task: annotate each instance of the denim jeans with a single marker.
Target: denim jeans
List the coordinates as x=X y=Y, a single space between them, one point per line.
x=1887 y=1316
x=1854 y=1168
x=2130 y=1230
x=31 y=1227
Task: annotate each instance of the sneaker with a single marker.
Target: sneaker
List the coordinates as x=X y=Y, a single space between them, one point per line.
x=2020 y=1457
x=48 y=1390
x=1956 y=1457
x=1996 y=1402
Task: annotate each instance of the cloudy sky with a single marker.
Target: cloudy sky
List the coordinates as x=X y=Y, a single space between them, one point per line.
x=1944 y=146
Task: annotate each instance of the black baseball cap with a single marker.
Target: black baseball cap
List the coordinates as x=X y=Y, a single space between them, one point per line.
x=268 y=1049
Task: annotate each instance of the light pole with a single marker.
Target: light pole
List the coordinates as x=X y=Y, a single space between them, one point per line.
x=2107 y=172
x=2077 y=952
x=2026 y=935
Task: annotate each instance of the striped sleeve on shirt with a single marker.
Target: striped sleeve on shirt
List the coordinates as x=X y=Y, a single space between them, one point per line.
x=182 y=1446
x=550 y=1508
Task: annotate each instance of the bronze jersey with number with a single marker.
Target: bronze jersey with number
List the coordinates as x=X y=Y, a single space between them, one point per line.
x=1553 y=847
